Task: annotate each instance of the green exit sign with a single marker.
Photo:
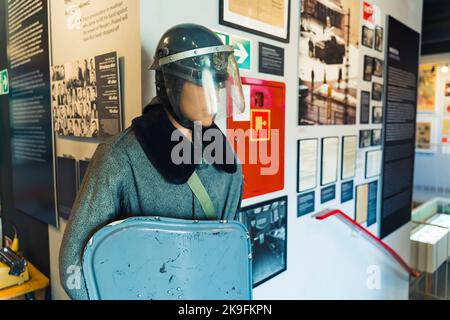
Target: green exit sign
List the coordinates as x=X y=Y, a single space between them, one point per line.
x=242 y=49
x=4 y=82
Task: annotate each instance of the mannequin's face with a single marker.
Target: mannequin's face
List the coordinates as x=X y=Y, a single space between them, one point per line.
x=195 y=105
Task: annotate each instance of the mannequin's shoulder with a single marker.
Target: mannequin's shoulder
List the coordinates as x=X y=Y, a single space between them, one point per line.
x=120 y=146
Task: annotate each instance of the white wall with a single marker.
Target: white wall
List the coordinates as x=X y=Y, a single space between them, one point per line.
x=325 y=259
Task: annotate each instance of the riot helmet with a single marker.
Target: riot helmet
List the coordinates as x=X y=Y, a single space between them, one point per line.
x=197 y=76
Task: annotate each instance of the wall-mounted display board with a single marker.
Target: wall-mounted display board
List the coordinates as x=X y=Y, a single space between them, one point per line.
x=31 y=114
x=267 y=18
x=349 y=155
x=328 y=63
x=399 y=125
x=267 y=224
x=330 y=159
x=262 y=132
x=308 y=152
x=86 y=97
x=427 y=88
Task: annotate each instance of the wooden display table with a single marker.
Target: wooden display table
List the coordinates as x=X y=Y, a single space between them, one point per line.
x=37 y=284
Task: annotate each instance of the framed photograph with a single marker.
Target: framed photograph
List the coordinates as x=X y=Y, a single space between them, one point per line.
x=85 y=105
x=379 y=38
x=330 y=158
x=376 y=137
x=373 y=163
x=428 y=76
x=323 y=42
x=308 y=151
x=365 y=107
x=349 y=154
x=447 y=89
x=377 y=115
x=270 y=19
x=367 y=37
x=365 y=139
x=426 y=134
x=377 y=92
x=378 y=68
x=267 y=225
x=368 y=68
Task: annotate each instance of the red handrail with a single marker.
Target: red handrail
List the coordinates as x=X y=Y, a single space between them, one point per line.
x=387 y=248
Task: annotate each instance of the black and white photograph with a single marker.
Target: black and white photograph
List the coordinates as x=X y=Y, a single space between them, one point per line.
x=378 y=67
x=79 y=111
x=377 y=92
x=379 y=38
x=377 y=115
x=367 y=37
x=267 y=225
x=74 y=99
x=365 y=139
x=368 y=68
x=376 y=137
x=329 y=62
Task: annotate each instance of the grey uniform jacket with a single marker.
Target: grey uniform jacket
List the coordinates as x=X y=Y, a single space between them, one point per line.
x=132 y=175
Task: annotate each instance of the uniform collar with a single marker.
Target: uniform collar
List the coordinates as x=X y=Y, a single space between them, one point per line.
x=154 y=131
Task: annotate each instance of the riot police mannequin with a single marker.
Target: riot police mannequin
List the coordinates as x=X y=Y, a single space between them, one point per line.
x=134 y=174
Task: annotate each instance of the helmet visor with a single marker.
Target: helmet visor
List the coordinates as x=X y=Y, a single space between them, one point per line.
x=210 y=87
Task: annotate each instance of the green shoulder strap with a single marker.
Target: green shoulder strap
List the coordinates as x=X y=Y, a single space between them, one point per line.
x=202 y=196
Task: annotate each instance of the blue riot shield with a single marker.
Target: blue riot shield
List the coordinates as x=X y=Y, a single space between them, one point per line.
x=167 y=259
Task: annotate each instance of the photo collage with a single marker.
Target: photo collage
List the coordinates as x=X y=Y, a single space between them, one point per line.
x=75 y=99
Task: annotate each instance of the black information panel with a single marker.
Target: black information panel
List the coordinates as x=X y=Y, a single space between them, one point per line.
x=31 y=124
x=271 y=59
x=399 y=125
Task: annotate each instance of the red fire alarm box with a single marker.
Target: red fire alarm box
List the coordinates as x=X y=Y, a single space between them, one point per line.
x=258 y=136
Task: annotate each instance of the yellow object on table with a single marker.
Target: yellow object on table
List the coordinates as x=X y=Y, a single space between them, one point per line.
x=37 y=282
x=7 y=281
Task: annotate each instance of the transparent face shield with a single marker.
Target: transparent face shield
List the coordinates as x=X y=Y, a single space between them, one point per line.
x=204 y=85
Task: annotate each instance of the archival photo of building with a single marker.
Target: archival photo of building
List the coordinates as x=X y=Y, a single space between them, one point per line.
x=328 y=57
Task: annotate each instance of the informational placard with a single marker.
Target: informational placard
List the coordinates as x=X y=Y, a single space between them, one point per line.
x=86 y=97
x=67 y=185
x=330 y=158
x=308 y=151
x=373 y=203
x=306 y=204
x=349 y=154
x=31 y=114
x=399 y=125
x=347 y=191
x=328 y=194
x=271 y=59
